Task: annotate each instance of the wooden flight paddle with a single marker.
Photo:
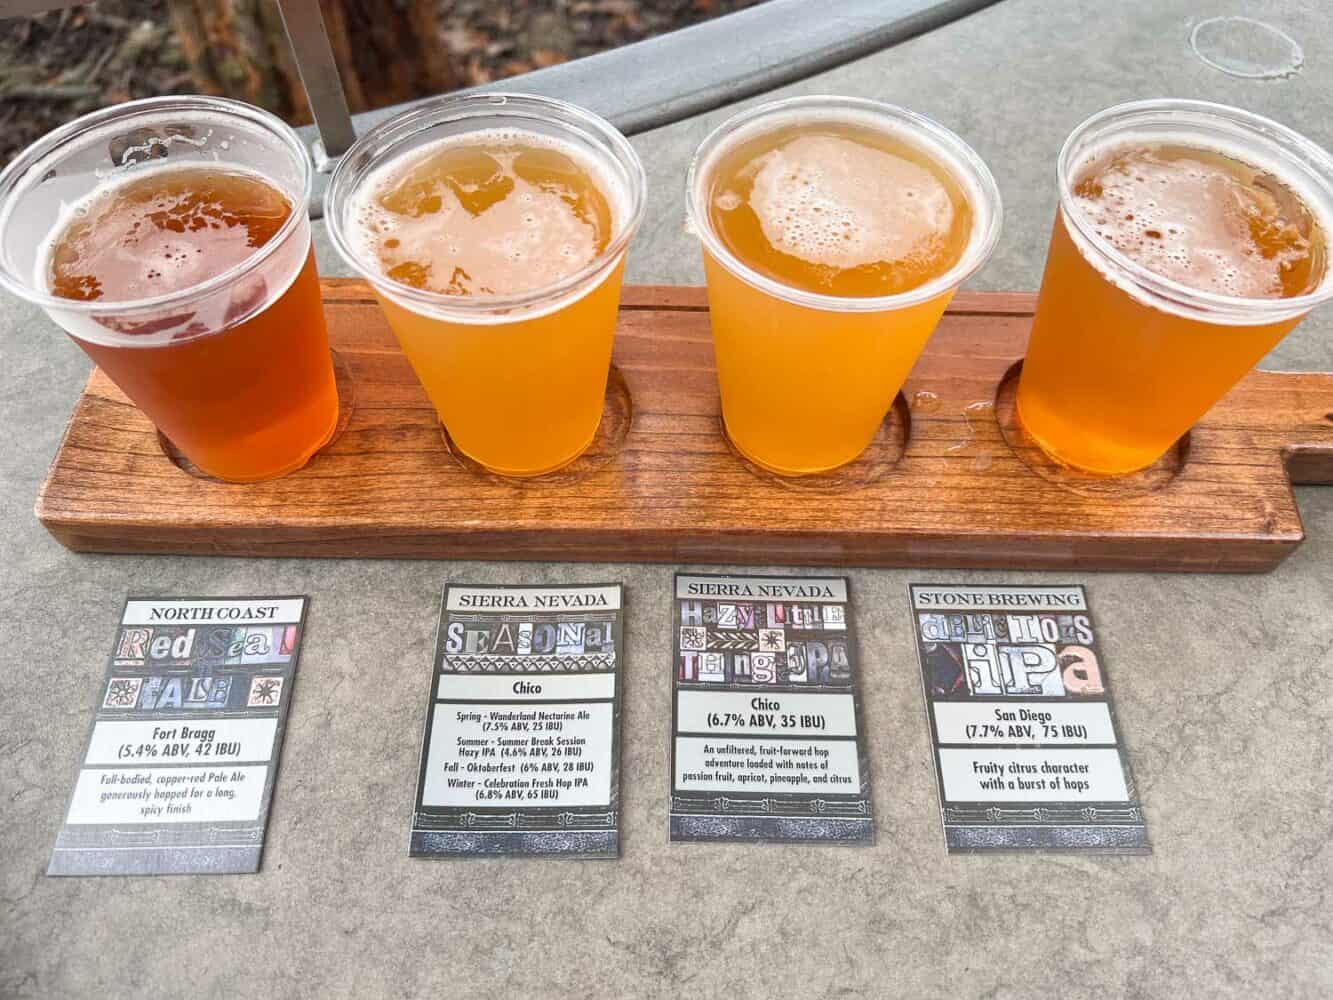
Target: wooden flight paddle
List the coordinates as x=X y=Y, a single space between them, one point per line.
x=950 y=480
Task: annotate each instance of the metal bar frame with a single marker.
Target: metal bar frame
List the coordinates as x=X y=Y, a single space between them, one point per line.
x=661 y=80
x=636 y=87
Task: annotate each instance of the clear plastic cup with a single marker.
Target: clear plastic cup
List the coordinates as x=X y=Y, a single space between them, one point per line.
x=518 y=380
x=1123 y=361
x=806 y=379
x=235 y=369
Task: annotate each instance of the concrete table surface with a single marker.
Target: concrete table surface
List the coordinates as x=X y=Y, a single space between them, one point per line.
x=1223 y=686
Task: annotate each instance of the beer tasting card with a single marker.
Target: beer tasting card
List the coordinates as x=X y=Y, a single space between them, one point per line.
x=1028 y=752
x=521 y=749
x=180 y=766
x=766 y=724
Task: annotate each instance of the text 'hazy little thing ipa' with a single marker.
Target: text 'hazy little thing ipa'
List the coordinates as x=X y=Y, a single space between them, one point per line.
x=1177 y=261
x=246 y=395
x=496 y=252
x=835 y=233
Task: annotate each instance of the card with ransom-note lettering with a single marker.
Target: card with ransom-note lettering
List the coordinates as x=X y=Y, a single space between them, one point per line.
x=181 y=764
x=521 y=750
x=767 y=737
x=1028 y=749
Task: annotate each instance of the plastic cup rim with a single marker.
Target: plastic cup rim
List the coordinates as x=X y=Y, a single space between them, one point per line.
x=979 y=248
x=435 y=111
x=12 y=187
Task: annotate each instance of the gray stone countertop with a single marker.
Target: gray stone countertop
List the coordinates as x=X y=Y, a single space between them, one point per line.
x=1223 y=690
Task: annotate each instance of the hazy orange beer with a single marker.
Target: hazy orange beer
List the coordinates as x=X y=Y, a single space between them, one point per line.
x=493 y=229
x=1190 y=238
x=169 y=237
x=835 y=232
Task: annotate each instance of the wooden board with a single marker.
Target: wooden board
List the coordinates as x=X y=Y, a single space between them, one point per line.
x=949 y=482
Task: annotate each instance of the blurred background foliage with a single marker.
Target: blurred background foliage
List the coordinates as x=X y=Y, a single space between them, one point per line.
x=59 y=65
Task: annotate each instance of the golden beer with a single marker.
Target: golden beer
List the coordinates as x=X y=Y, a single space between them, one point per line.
x=1188 y=243
x=496 y=249
x=835 y=232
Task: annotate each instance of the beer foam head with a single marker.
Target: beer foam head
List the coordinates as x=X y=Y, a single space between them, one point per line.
x=144 y=237
x=502 y=234
x=831 y=201
x=158 y=231
x=1199 y=218
x=842 y=204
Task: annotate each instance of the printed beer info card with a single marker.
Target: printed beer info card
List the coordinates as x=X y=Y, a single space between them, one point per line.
x=1027 y=748
x=766 y=721
x=521 y=751
x=184 y=749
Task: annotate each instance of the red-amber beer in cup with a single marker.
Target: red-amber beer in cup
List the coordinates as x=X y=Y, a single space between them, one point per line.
x=169 y=238
x=1189 y=240
x=834 y=232
x=493 y=229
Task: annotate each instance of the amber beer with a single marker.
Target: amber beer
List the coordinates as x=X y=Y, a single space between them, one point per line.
x=835 y=232
x=493 y=230
x=169 y=238
x=1190 y=239
x=248 y=398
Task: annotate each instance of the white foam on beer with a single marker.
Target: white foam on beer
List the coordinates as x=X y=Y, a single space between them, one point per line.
x=1188 y=220
x=1187 y=252
x=166 y=265
x=261 y=284
x=835 y=202
x=527 y=240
